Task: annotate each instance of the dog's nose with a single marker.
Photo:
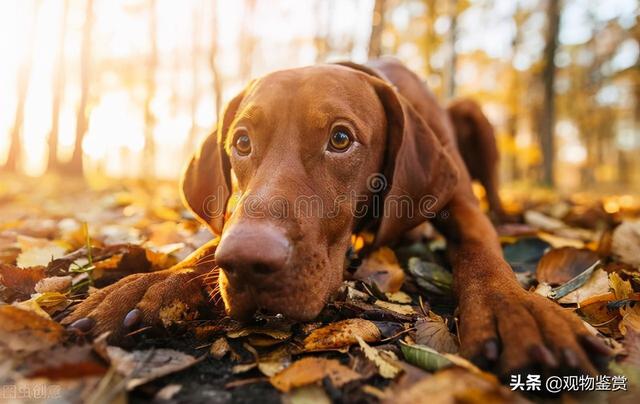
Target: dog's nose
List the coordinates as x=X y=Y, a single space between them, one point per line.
x=253 y=248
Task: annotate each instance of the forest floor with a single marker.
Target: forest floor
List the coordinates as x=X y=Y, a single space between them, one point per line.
x=389 y=336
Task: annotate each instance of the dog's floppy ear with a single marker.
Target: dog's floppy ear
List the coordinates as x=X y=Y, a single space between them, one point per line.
x=420 y=173
x=206 y=181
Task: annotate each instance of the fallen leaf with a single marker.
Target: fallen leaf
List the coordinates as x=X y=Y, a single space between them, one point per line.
x=219 y=348
x=630 y=318
x=54 y=284
x=596 y=311
x=625 y=242
x=20 y=281
x=311 y=394
x=455 y=385
x=382 y=269
x=341 y=334
x=40 y=256
x=560 y=265
x=434 y=333
x=403 y=309
x=382 y=359
x=22 y=330
x=398 y=297
x=140 y=367
x=431 y=276
x=590 y=283
x=424 y=357
x=621 y=288
x=311 y=370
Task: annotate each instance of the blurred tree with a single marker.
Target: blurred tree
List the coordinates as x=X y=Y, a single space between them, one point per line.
x=377 y=27
x=150 y=87
x=75 y=165
x=58 y=89
x=454 y=9
x=247 y=41
x=195 y=85
x=14 y=155
x=213 y=55
x=321 y=40
x=547 y=115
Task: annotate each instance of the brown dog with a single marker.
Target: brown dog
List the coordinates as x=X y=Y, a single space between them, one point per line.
x=477 y=146
x=320 y=153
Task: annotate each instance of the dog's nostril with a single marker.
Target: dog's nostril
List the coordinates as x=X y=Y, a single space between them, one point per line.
x=263 y=269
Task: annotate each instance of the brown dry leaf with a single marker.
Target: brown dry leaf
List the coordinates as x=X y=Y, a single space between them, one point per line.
x=22 y=330
x=341 y=334
x=597 y=284
x=625 y=243
x=621 y=288
x=308 y=394
x=630 y=318
x=398 y=297
x=140 y=367
x=311 y=370
x=383 y=269
x=384 y=360
x=59 y=284
x=560 y=265
x=65 y=362
x=273 y=333
x=433 y=332
x=20 y=281
x=596 y=312
x=39 y=256
x=275 y=361
x=219 y=348
x=455 y=385
x=403 y=309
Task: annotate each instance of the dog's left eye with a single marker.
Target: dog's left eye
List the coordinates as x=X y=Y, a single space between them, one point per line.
x=340 y=140
x=242 y=144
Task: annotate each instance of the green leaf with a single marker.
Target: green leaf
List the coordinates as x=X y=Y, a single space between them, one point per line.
x=431 y=276
x=424 y=357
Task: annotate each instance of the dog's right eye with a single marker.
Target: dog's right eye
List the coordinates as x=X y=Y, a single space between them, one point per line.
x=242 y=144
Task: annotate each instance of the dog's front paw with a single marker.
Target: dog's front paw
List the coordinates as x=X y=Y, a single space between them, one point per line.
x=511 y=331
x=148 y=299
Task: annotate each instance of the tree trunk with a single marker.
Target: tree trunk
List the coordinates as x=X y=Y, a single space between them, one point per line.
x=452 y=36
x=149 y=152
x=58 y=90
x=377 y=26
x=547 y=119
x=247 y=42
x=195 y=48
x=213 y=56
x=14 y=155
x=513 y=97
x=75 y=165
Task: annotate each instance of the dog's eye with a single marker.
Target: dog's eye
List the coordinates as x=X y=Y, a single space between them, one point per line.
x=340 y=140
x=242 y=144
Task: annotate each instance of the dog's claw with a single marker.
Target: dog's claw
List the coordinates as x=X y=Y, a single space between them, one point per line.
x=543 y=355
x=132 y=319
x=595 y=345
x=491 y=350
x=84 y=325
x=571 y=358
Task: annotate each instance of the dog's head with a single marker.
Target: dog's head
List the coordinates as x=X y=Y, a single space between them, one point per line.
x=317 y=153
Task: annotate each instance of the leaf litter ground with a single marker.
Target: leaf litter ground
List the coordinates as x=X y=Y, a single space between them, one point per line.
x=390 y=335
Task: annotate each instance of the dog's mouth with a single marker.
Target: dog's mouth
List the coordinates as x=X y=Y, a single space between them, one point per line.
x=298 y=302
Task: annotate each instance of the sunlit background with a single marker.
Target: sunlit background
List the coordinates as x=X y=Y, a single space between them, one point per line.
x=132 y=85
